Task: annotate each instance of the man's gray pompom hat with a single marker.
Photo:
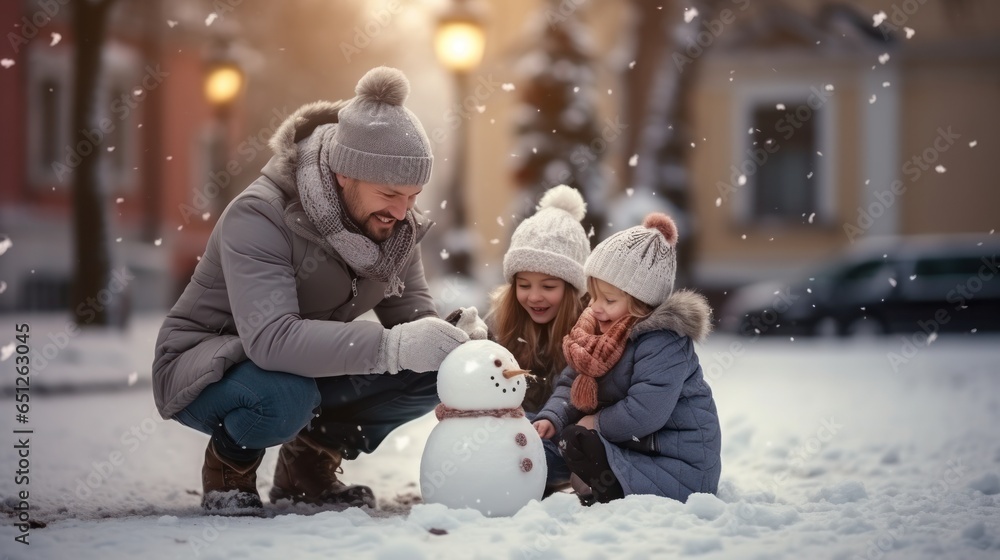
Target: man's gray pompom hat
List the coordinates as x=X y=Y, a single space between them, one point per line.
x=552 y=241
x=377 y=139
x=640 y=261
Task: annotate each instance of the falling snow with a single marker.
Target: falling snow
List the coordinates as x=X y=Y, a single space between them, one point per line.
x=158 y=242
x=56 y=37
x=444 y=254
x=634 y=160
x=500 y=221
x=444 y=204
x=6 y=62
x=206 y=216
x=909 y=32
x=940 y=169
x=171 y=23
x=507 y=87
x=973 y=143
x=718 y=202
x=878 y=18
x=883 y=58
x=5 y=244
x=629 y=191
x=780 y=106
x=812 y=217
x=211 y=18
x=690 y=14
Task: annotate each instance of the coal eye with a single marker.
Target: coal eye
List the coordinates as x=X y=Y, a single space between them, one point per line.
x=497 y=363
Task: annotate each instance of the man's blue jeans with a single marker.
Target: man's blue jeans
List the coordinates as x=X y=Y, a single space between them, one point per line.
x=260 y=408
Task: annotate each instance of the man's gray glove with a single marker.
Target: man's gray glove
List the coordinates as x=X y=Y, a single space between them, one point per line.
x=419 y=345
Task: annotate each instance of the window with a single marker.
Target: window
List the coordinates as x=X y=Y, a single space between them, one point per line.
x=784 y=149
x=783 y=186
x=49 y=91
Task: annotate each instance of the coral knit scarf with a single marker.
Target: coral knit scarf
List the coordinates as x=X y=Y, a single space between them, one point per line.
x=593 y=354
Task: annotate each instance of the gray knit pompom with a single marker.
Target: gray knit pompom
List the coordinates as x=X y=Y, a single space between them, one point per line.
x=383 y=85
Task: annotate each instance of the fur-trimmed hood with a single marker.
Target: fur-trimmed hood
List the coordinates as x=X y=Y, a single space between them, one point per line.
x=685 y=312
x=299 y=125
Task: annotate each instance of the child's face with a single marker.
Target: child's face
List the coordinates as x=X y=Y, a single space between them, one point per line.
x=609 y=304
x=539 y=294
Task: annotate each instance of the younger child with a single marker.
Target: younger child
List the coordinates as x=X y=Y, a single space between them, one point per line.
x=541 y=301
x=632 y=410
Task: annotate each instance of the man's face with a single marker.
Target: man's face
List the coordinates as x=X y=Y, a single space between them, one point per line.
x=376 y=208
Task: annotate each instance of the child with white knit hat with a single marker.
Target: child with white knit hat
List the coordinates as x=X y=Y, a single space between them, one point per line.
x=541 y=301
x=632 y=411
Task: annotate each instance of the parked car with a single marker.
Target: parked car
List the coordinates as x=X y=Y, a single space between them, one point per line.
x=939 y=283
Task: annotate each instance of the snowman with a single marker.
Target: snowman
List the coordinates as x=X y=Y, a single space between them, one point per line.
x=484 y=454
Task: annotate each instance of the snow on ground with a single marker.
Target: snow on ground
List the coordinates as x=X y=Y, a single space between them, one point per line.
x=828 y=452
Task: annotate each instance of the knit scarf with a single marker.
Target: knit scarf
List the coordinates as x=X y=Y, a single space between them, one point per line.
x=318 y=192
x=443 y=411
x=593 y=354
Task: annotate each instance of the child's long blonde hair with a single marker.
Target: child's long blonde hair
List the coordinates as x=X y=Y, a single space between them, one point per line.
x=536 y=347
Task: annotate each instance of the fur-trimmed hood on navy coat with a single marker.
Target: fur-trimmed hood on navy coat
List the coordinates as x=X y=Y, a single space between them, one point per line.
x=656 y=415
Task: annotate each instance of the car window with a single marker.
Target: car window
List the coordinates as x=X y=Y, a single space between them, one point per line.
x=864 y=271
x=948 y=266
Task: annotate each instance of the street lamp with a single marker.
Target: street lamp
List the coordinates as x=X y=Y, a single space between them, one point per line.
x=459 y=43
x=222 y=87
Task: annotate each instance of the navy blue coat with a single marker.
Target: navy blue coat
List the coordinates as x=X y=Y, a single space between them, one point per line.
x=656 y=415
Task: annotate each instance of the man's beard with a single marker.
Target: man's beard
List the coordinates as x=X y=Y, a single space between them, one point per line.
x=369 y=225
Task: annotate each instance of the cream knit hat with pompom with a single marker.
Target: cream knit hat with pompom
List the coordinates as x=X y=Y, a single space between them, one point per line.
x=640 y=261
x=552 y=241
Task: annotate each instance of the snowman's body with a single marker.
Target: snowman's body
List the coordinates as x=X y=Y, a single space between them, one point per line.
x=484 y=454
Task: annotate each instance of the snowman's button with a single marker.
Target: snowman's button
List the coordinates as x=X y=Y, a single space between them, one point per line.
x=526 y=464
x=521 y=439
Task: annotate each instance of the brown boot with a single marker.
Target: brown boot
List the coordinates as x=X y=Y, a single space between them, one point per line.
x=307 y=472
x=230 y=488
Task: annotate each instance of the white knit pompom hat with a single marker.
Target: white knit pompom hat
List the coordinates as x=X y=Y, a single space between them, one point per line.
x=640 y=261
x=552 y=241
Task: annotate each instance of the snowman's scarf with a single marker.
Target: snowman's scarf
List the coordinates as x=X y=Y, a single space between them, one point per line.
x=593 y=354
x=442 y=412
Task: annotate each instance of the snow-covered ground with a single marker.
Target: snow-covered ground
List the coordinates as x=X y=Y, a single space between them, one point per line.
x=831 y=450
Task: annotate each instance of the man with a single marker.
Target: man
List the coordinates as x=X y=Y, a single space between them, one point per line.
x=262 y=348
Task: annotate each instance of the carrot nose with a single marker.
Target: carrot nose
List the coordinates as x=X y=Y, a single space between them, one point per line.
x=507 y=374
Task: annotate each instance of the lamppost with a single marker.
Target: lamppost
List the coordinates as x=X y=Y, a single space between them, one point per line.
x=459 y=43
x=223 y=84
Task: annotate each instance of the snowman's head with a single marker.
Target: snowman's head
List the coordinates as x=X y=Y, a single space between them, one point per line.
x=481 y=375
